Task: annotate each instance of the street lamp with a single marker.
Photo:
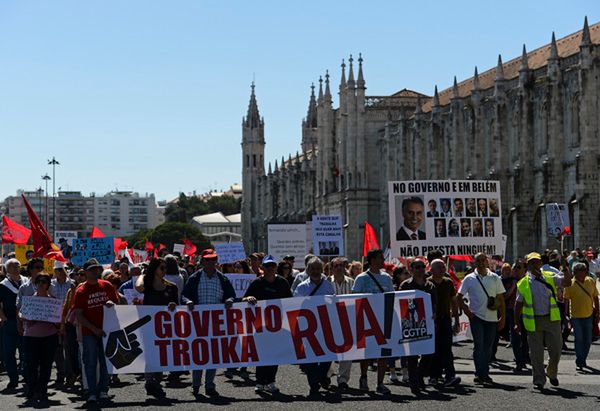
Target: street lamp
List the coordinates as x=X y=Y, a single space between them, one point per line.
x=46 y=178
x=53 y=163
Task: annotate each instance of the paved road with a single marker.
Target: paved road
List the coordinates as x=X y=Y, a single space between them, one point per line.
x=577 y=391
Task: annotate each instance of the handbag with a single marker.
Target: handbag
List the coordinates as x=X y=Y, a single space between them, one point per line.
x=492 y=302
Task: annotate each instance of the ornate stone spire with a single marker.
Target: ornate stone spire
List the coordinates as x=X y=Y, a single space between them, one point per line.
x=327 y=89
x=476 y=80
x=360 y=82
x=586 y=39
x=252 y=119
x=350 y=73
x=311 y=115
x=343 y=79
x=553 y=49
x=436 y=97
x=455 y=89
x=320 y=89
x=499 y=69
x=270 y=170
x=524 y=60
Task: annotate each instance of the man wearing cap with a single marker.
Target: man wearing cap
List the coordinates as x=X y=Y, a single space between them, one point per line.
x=61 y=284
x=537 y=304
x=88 y=304
x=268 y=287
x=207 y=286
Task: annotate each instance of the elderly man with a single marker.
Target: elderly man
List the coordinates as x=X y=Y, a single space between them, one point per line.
x=537 y=304
x=315 y=284
x=207 y=286
x=61 y=284
x=301 y=276
x=11 y=340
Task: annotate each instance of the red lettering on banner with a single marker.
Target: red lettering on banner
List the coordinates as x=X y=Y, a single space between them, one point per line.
x=161 y=329
x=201 y=325
x=273 y=318
x=235 y=324
x=249 y=353
x=217 y=322
x=364 y=308
x=253 y=320
x=200 y=354
x=181 y=323
x=228 y=350
x=308 y=333
x=162 y=351
x=328 y=331
x=181 y=355
x=214 y=345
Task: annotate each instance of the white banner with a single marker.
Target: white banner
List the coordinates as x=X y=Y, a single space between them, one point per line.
x=557 y=218
x=460 y=217
x=286 y=331
x=42 y=309
x=230 y=252
x=240 y=282
x=465 y=329
x=284 y=239
x=328 y=237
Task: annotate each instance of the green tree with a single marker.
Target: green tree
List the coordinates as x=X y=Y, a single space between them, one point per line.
x=168 y=234
x=187 y=208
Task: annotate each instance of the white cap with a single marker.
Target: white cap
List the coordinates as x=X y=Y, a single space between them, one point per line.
x=58 y=265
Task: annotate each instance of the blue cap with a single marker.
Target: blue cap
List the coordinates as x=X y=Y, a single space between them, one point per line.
x=269 y=259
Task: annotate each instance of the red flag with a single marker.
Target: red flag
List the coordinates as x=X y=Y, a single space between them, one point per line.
x=14 y=233
x=149 y=246
x=189 y=247
x=466 y=258
x=96 y=233
x=43 y=246
x=369 y=239
x=161 y=246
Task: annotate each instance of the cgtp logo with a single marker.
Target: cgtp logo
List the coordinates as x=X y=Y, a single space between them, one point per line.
x=122 y=346
x=413 y=320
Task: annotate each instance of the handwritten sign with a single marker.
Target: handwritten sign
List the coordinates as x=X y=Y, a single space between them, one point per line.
x=102 y=249
x=230 y=252
x=42 y=309
x=133 y=296
x=240 y=282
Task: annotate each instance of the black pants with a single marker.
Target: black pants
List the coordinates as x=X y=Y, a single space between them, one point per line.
x=266 y=374
x=443 y=359
x=418 y=368
x=39 y=354
x=73 y=365
x=316 y=372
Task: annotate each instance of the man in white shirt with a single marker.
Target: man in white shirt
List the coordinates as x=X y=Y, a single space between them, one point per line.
x=485 y=318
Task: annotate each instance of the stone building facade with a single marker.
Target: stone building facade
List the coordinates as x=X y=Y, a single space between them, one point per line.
x=533 y=123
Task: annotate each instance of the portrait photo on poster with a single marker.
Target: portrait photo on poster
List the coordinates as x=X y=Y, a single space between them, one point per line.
x=410 y=218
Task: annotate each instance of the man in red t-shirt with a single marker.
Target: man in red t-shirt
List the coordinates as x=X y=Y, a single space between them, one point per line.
x=88 y=304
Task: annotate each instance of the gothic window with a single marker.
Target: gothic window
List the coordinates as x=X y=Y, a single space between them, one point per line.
x=254 y=160
x=349 y=180
x=341 y=182
x=575 y=120
x=247 y=160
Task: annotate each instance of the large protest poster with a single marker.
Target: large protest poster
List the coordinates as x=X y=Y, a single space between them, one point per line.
x=67 y=236
x=286 y=331
x=328 y=236
x=240 y=282
x=230 y=252
x=287 y=239
x=458 y=217
x=24 y=253
x=41 y=309
x=557 y=219
x=102 y=249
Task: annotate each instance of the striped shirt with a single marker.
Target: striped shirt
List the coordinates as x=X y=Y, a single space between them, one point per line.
x=345 y=287
x=61 y=290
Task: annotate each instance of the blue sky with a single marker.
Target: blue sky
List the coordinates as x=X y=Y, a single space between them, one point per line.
x=149 y=95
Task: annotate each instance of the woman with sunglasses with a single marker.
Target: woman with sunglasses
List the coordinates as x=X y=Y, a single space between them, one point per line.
x=157 y=291
x=285 y=270
x=40 y=340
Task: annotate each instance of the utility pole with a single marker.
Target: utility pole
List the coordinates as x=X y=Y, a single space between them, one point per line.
x=46 y=178
x=53 y=163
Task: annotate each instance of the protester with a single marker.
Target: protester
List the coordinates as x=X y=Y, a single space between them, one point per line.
x=242 y=267
x=355 y=269
x=315 y=284
x=40 y=341
x=157 y=291
x=419 y=368
x=486 y=312
x=284 y=269
x=582 y=297
x=207 y=286
x=446 y=309
x=537 y=305
x=373 y=282
x=301 y=276
x=61 y=285
x=255 y=261
x=267 y=287
x=68 y=333
x=88 y=305
x=11 y=340
x=290 y=260
x=173 y=273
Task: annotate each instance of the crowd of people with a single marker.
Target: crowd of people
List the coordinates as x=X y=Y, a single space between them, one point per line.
x=533 y=304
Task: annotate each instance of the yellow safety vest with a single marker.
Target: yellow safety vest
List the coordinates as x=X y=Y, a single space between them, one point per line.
x=528 y=313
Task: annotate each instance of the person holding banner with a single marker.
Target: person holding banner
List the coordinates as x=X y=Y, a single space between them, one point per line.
x=88 y=303
x=11 y=340
x=373 y=281
x=268 y=287
x=207 y=286
x=40 y=340
x=486 y=312
x=316 y=284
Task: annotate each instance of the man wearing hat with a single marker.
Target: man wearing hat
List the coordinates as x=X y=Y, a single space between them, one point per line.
x=268 y=287
x=88 y=304
x=61 y=284
x=537 y=304
x=207 y=286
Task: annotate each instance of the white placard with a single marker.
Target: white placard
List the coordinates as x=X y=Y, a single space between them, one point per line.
x=240 y=282
x=230 y=252
x=67 y=235
x=287 y=239
x=133 y=296
x=557 y=218
x=179 y=248
x=46 y=309
x=328 y=237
